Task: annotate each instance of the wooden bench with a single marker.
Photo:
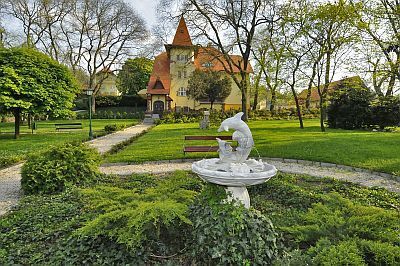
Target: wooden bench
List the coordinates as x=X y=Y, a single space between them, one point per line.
x=68 y=126
x=203 y=148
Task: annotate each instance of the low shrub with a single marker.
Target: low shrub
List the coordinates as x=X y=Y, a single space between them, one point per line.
x=61 y=166
x=344 y=253
x=154 y=220
x=228 y=233
x=337 y=218
x=113 y=127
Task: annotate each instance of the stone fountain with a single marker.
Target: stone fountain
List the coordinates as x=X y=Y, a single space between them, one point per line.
x=233 y=169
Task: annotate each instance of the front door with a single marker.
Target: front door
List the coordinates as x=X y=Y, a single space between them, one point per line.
x=158 y=107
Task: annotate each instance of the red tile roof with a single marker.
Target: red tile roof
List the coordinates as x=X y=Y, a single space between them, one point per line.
x=356 y=80
x=212 y=58
x=161 y=74
x=182 y=36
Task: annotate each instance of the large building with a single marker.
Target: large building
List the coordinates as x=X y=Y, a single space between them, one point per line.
x=168 y=82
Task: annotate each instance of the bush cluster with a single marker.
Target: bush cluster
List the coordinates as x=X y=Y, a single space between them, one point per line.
x=113 y=127
x=124 y=100
x=55 y=169
x=357 y=107
x=328 y=222
x=111 y=115
x=216 y=117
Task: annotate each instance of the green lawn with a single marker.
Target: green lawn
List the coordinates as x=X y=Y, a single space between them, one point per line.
x=12 y=150
x=377 y=151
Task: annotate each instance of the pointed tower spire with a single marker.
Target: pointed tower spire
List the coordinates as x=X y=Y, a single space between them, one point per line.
x=182 y=37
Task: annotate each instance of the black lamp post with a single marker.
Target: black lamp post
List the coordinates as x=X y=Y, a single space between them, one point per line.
x=89 y=93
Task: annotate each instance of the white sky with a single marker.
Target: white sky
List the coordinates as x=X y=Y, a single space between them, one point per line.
x=146 y=9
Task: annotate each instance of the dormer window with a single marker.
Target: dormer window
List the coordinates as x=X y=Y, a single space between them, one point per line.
x=207 y=64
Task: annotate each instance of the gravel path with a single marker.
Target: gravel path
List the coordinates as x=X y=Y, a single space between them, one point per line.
x=362 y=178
x=9 y=187
x=105 y=143
x=10 y=178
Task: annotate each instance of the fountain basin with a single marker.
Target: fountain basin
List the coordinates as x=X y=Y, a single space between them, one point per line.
x=248 y=173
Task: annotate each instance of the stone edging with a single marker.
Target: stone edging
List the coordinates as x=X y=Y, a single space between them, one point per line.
x=283 y=160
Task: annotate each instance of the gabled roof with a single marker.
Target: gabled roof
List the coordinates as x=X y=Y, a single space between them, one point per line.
x=356 y=80
x=160 y=79
x=182 y=36
x=212 y=58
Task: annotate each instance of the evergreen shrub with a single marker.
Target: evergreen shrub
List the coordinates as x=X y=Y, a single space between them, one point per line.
x=386 y=112
x=55 y=169
x=349 y=107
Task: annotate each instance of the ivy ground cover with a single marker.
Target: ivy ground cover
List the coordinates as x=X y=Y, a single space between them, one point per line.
x=156 y=219
x=377 y=151
x=12 y=150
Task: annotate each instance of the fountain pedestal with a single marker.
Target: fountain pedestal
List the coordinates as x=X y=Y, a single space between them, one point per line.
x=239 y=193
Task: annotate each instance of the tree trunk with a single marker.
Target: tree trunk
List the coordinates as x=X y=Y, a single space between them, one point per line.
x=296 y=99
x=273 y=100
x=244 y=105
x=392 y=80
x=29 y=120
x=314 y=72
x=256 y=89
x=17 y=116
x=211 y=105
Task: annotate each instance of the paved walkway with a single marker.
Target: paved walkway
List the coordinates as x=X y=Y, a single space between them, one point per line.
x=10 y=178
x=363 y=178
x=105 y=143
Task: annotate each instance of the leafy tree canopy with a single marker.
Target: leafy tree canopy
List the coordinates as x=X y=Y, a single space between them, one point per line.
x=209 y=85
x=134 y=75
x=32 y=82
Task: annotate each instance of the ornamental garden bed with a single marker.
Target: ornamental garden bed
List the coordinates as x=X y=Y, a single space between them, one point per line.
x=156 y=219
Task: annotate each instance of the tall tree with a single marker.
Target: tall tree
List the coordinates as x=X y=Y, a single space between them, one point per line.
x=379 y=24
x=230 y=26
x=91 y=35
x=329 y=27
x=208 y=85
x=134 y=75
x=99 y=34
x=31 y=82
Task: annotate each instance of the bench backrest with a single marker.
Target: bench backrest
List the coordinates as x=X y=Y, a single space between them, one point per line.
x=208 y=137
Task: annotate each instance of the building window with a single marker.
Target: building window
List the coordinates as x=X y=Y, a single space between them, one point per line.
x=184 y=74
x=207 y=64
x=182 y=57
x=182 y=91
x=179 y=74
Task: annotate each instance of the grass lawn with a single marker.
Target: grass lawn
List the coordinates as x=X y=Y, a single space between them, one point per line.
x=378 y=151
x=12 y=150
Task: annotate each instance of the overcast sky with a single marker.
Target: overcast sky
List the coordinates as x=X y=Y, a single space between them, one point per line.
x=146 y=9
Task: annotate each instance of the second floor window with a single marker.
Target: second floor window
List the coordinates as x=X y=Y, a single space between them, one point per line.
x=179 y=74
x=182 y=91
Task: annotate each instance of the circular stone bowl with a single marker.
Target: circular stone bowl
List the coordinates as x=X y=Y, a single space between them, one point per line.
x=231 y=179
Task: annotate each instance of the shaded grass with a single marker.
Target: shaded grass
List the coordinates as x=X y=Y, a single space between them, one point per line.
x=14 y=150
x=377 y=151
